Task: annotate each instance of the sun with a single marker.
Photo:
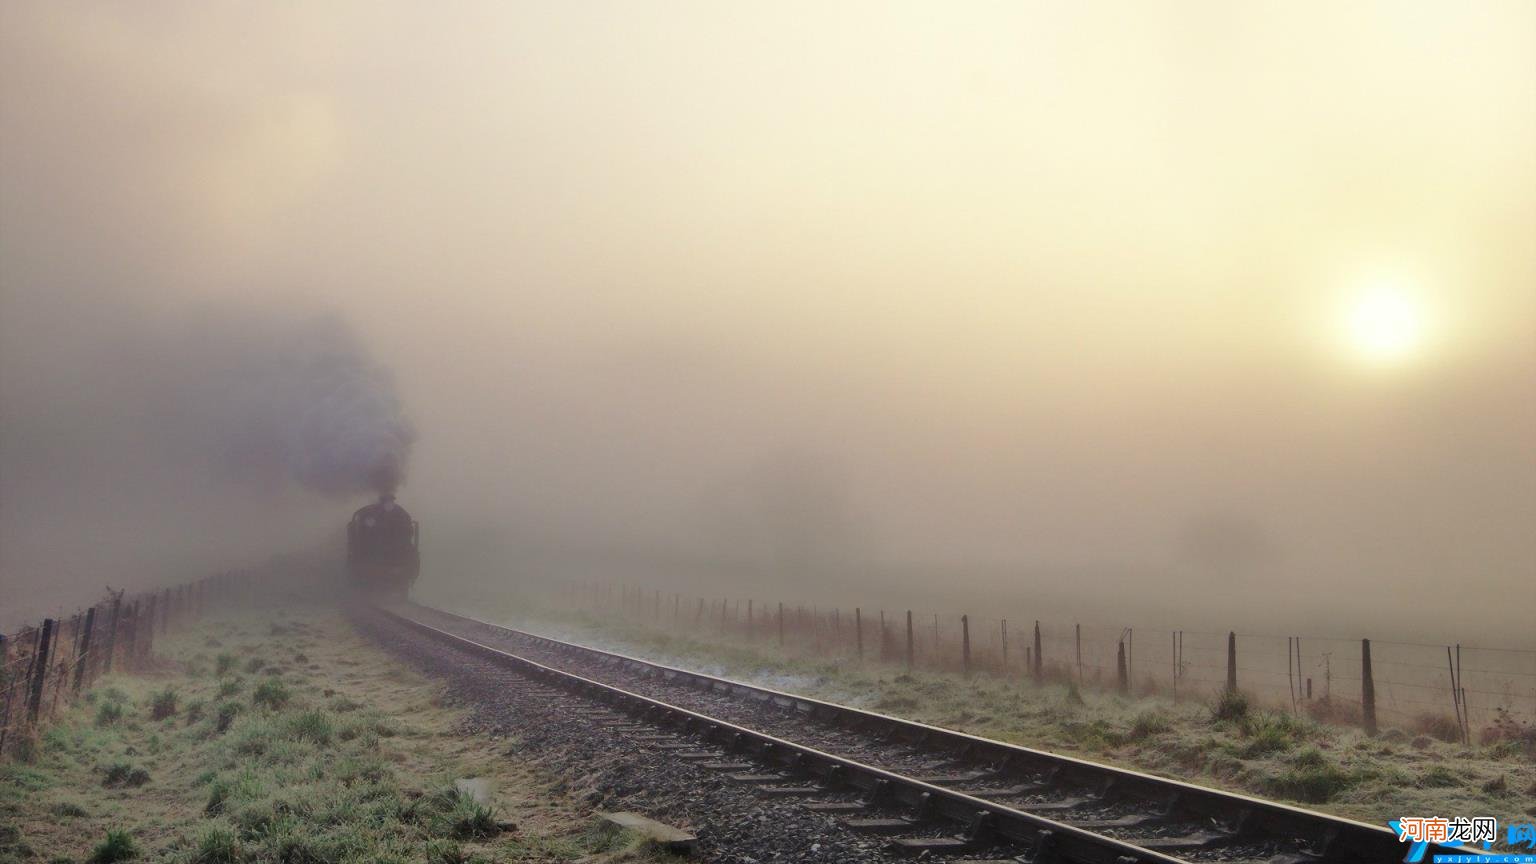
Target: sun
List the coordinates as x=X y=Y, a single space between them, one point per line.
x=1384 y=324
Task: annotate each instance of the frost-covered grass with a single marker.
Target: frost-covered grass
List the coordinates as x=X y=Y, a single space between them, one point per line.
x=1230 y=743
x=276 y=741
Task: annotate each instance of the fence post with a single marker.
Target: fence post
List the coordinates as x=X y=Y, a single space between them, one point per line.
x=1003 y=629
x=1077 y=629
x=858 y=632
x=1121 y=677
x=84 y=655
x=40 y=670
x=909 y=640
x=965 y=644
x=148 y=641
x=1231 y=661
x=1039 y=656
x=1367 y=689
x=117 y=609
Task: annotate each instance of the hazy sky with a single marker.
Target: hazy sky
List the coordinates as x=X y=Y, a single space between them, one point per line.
x=1215 y=296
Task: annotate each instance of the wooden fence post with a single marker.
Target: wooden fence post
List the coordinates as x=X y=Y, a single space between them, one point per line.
x=84 y=655
x=1367 y=689
x=40 y=670
x=148 y=639
x=1077 y=629
x=1231 y=662
x=965 y=644
x=1121 y=678
x=909 y=640
x=858 y=632
x=1003 y=630
x=112 y=628
x=1039 y=656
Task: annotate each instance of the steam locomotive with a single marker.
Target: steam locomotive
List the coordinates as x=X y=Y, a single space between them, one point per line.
x=382 y=552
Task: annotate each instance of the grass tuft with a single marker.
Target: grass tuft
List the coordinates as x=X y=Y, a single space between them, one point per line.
x=1310 y=783
x=119 y=846
x=109 y=713
x=1147 y=724
x=1231 y=706
x=218 y=845
x=227 y=713
x=271 y=693
x=163 y=704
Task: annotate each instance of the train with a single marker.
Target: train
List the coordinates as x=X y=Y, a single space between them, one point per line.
x=383 y=549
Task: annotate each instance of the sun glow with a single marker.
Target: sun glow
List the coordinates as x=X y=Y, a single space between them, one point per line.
x=1384 y=324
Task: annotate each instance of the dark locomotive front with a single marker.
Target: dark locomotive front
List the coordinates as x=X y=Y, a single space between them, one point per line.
x=382 y=552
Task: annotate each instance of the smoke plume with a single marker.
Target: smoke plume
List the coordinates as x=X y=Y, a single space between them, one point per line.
x=316 y=408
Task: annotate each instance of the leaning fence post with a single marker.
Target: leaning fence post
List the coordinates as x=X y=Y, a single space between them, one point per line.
x=84 y=655
x=1121 y=677
x=909 y=640
x=1367 y=689
x=1039 y=656
x=1077 y=630
x=965 y=644
x=40 y=670
x=858 y=632
x=1231 y=661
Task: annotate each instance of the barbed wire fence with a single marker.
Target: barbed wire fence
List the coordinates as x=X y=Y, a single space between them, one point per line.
x=1455 y=692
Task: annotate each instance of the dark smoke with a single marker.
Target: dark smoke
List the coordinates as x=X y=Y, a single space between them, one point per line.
x=315 y=407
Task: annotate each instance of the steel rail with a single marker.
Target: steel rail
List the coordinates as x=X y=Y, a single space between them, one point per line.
x=1329 y=838
x=984 y=822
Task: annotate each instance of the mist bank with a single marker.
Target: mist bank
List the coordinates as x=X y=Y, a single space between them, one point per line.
x=144 y=448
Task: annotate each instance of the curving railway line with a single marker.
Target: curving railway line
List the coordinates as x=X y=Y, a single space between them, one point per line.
x=933 y=792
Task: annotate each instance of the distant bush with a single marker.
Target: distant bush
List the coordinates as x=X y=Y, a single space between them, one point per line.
x=224 y=664
x=313 y=726
x=272 y=693
x=163 y=705
x=227 y=713
x=230 y=687
x=1440 y=726
x=1438 y=777
x=68 y=810
x=1267 y=733
x=253 y=665
x=124 y=774
x=109 y=713
x=1313 y=784
x=1147 y=724
x=119 y=846
x=1231 y=705
x=218 y=845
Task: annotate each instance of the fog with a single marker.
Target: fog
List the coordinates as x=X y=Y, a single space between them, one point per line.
x=1047 y=307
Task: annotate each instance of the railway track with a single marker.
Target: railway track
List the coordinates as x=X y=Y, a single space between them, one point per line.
x=934 y=792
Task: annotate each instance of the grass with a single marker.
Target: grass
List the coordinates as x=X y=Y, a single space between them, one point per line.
x=118 y=846
x=270 y=693
x=1230 y=741
x=350 y=762
x=163 y=705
